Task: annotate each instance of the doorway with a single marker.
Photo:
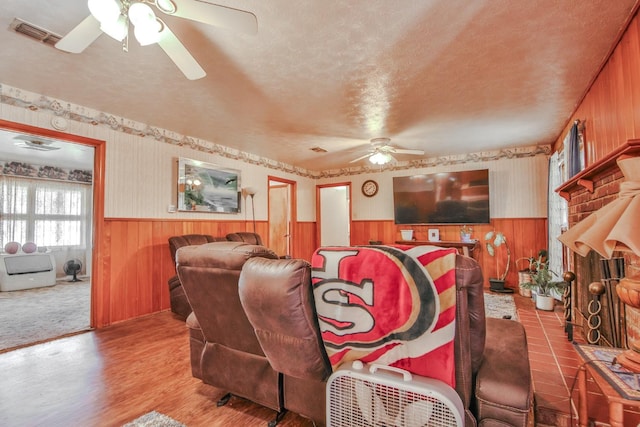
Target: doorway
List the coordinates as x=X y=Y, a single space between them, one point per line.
x=334 y=214
x=69 y=154
x=282 y=215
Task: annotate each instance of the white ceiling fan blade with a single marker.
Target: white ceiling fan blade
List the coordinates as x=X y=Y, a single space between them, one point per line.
x=361 y=157
x=81 y=36
x=180 y=55
x=219 y=16
x=403 y=151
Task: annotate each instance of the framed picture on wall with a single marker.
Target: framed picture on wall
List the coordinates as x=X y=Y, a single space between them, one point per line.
x=204 y=187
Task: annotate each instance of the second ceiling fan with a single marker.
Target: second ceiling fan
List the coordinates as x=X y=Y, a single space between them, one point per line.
x=381 y=152
x=113 y=17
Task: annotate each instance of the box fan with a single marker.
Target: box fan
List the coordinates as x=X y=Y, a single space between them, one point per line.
x=360 y=395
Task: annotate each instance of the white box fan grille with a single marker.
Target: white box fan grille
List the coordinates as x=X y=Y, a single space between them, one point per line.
x=359 y=397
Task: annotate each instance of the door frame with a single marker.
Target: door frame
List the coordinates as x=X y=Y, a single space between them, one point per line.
x=293 y=209
x=319 y=216
x=99 y=155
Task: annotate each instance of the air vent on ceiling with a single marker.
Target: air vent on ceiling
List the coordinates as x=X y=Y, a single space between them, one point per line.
x=35 y=32
x=319 y=150
x=32 y=143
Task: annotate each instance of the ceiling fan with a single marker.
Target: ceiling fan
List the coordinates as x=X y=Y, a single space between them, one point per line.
x=113 y=17
x=33 y=143
x=381 y=152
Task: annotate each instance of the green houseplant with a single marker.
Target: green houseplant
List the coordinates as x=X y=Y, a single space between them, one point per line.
x=493 y=240
x=542 y=281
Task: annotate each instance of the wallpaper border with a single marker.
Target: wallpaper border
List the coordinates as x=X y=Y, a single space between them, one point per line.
x=40 y=103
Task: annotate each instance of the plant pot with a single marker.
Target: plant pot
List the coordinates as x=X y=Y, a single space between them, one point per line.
x=406 y=234
x=465 y=237
x=497 y=285
x=545 y=302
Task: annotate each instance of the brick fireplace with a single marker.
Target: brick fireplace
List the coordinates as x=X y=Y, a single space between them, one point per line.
x=587 y=192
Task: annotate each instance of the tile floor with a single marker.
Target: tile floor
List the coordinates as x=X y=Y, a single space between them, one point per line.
x=554 y=364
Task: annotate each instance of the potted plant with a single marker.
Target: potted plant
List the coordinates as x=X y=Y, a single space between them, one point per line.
x=493 y=240
x=542 y=281
x=465 y=233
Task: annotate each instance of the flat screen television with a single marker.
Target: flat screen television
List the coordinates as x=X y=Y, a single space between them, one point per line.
x=442 y=198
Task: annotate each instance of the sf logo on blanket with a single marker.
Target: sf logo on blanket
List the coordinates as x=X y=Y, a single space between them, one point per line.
x=385 y=305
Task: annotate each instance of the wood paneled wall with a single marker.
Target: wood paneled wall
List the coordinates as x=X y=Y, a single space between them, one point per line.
x=136 y=262
x=610 y=109
x=525 y=236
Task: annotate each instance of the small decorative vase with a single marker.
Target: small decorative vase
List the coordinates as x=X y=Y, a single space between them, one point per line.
x=465 y=237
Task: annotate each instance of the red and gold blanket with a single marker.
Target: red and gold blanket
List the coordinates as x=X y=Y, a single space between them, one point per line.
x=392 y=305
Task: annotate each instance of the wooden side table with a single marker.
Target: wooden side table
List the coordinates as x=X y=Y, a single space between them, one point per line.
x=619 y=386
x=465 y=248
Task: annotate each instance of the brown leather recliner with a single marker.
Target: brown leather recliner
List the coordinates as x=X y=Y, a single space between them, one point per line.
x=225 y=352
x=493 y=376
x=179 y=304
x=246 y=237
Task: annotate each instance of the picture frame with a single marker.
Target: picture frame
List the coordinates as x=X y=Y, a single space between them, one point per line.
x=205 y=187
x=434 y=235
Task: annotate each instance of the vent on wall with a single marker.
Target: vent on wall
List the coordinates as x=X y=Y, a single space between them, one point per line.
x=35 y=32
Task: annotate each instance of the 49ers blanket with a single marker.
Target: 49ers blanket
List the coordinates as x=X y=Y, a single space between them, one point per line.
x=392 y=305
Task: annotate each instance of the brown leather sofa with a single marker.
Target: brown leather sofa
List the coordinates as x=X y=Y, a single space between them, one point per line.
x=178 y=300
x=493 y=375
x=225 y=352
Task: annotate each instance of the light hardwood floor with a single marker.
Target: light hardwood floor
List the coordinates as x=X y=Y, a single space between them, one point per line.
x=113 y=375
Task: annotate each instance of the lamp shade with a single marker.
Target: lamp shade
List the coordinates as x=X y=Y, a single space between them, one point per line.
x=613 y=227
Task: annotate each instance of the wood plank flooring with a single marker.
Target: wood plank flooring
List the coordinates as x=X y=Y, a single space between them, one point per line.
x=113 y=375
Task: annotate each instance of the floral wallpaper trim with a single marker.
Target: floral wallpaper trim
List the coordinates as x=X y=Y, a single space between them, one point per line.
x=36 y=102
x=45 y=172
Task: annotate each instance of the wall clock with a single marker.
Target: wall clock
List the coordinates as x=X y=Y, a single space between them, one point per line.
x=369 y=188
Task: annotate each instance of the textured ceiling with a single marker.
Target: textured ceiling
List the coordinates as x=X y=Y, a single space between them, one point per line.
x=444 y=76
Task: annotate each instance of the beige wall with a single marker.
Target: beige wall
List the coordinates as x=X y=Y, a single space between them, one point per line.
x=141 y=174
x=518 y=188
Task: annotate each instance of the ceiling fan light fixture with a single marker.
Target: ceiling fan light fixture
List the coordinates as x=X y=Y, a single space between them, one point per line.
x=167 y=6
x=380 y=158
x=148 y=34
x=117 y=29
x=141 y=14
x=105 y=10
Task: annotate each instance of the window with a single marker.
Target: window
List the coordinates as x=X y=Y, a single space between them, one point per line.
x=49 y=213
x=557 y=215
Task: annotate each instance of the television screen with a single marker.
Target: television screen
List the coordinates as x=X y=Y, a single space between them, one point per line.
x=442 y=198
